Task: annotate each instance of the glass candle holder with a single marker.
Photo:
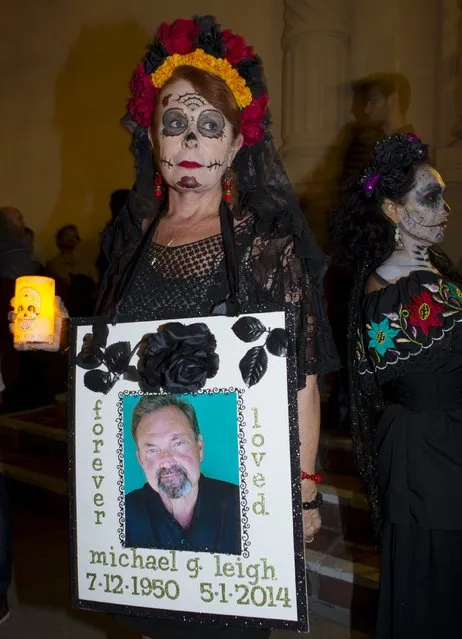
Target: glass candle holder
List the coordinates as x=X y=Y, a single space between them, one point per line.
x=34 y=308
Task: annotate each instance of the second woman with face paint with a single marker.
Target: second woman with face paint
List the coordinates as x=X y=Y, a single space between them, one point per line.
x=405 y=333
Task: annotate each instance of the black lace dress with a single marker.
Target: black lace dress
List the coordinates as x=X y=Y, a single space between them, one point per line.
x=411 y=348
x=187 y=281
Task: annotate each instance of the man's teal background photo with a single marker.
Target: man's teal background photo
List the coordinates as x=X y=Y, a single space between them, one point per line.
x=217 y=416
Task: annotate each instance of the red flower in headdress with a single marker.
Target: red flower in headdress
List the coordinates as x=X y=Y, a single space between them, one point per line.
x=178 y=37
x=236 y=47
x=141 y=104
x=252 y=120
x=424 y=312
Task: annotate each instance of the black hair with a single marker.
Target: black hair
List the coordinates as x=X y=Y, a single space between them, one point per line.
x=360 y=232
x=387 y=84
x=151 y=403
x=118 y=201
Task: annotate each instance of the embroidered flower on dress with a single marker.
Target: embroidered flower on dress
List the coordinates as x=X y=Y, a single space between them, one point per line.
x=381 y=336
x=407 y=333
x=454 y=292
x=425 y=312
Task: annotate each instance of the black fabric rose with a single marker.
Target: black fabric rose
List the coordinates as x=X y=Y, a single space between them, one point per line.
x=156 y=55
x=179 y=358
x=154 y=354
x=209 y=37
x=252 y=72
x=189 y=373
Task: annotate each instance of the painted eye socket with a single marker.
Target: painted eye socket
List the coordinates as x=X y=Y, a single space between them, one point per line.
x=211 y=124
x=174 y=122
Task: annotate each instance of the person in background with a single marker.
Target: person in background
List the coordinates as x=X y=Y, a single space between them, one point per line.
x=67 y=262
x=13 y=217
x=15 y=260
x=75 y=281
x=388 y=98
x=116 y=204
x=380 y=105
x=29 y=237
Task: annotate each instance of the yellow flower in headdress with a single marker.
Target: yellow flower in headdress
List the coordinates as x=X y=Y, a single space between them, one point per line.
x=201 y=60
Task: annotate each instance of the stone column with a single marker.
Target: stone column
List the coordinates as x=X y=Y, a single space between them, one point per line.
x=315 y=74
x=449 y=155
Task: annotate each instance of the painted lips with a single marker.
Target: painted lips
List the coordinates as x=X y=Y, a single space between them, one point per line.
x=190 y=165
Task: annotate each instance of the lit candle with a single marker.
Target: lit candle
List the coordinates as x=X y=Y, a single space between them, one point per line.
x=34 y=307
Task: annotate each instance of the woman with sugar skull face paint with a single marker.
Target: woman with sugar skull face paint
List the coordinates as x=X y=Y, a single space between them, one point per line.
x=212 y=225
x=405 y=332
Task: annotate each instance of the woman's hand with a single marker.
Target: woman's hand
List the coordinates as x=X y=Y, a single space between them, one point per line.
x=311 y=524
x=311 y=518
x=61 y=331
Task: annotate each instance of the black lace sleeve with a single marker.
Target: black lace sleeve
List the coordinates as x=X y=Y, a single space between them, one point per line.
x=279 y=272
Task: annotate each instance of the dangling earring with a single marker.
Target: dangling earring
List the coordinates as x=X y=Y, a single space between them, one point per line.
x=228 y=186
x=158 y=190
x=398 y=243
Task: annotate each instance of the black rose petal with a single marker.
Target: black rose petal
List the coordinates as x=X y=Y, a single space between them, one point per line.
x=186 y=375
x=98 y=381
x=90 y=356
x=252 y=72
x=209 y=38
x=213 y=364
x=151 y=343
x=156 y=54
x=152 y=368
x=277 y=342
x=147 y=387
x=195 y=336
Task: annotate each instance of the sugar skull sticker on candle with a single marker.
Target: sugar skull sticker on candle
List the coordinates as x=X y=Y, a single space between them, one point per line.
x=34 y=307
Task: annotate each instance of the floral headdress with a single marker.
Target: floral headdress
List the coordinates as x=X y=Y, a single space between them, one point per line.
x=391 y=154
x=200 y=43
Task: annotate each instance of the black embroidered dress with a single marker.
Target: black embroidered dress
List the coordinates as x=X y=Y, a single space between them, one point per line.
x=411 y=348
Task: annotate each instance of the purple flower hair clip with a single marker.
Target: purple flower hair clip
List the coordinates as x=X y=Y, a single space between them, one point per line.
x=370 y=183
x=412 y=137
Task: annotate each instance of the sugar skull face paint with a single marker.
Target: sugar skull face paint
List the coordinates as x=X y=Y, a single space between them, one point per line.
x=194 y=139
x=425 y=211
